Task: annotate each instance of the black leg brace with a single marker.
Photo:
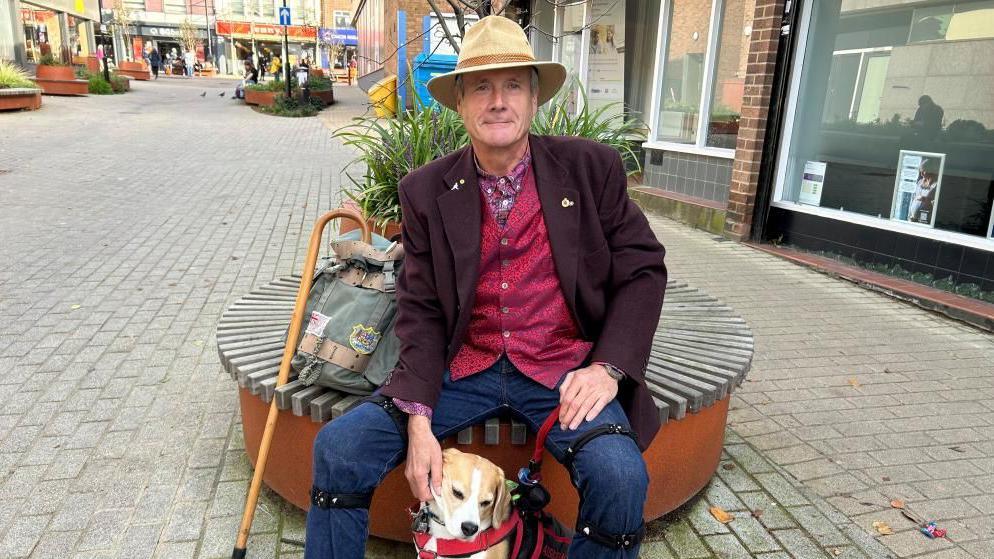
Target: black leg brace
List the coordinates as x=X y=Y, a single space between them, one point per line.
x=325 y=500
x=607 y=539
x=396 y=414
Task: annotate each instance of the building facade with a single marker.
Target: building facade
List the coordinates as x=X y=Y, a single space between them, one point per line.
x=249 y=29
x=136 y=26
x=338 y=41
x=62 y=28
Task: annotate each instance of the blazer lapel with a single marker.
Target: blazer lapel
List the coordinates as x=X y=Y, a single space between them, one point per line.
x=459 y=207
x=561 y=211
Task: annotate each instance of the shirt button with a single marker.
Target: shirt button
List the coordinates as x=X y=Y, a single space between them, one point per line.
x=505 y=310
x=507 y=334
x=504 y=242
x=503 y=285
x=505 y=263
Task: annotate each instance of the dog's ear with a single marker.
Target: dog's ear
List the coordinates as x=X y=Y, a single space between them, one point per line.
x=502 y=501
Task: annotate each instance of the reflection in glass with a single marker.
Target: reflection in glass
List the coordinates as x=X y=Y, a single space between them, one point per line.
x=875 y=83
x=730 y=71
x=683 y=71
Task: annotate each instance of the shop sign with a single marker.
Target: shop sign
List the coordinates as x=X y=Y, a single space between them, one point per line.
x=246 y=30
x=812 y=182
x=170 y=32
x=916 y=187
x=342 y=35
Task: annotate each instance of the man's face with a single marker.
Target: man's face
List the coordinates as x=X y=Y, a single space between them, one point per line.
x=497 y=106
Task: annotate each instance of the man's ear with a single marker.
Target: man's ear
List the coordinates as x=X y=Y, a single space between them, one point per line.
x=502 y=501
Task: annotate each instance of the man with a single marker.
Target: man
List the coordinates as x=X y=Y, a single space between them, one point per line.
x=530 y=279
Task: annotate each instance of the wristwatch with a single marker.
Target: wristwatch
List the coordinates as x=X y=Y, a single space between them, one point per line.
x=612 y=371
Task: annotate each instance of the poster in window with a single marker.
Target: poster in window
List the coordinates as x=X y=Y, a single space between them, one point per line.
x=812 y=182
x=606 y=63
x=916 y=188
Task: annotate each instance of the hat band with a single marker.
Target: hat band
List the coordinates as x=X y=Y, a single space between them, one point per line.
x=493 y=59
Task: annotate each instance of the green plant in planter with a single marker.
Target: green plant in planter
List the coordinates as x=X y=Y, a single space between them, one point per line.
x=389 y=149
x=48 y=59
x=319 y=83
x=119 y=83
x=12 y=75
x=292 y=107
x=99 y=86
x=606 y=124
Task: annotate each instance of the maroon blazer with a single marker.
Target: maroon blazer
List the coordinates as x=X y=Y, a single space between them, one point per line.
x=609 y=263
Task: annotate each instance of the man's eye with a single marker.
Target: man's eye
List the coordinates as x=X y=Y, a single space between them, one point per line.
x=514 y=85
x=485 y=503
x=458 y=494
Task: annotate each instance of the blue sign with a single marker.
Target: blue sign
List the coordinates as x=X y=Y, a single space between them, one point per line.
x=343 y=35
x=284 y=15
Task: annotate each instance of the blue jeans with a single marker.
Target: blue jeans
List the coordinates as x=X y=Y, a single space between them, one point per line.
x=356 y=451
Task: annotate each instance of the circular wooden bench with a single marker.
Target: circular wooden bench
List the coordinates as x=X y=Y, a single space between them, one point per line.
x=700 y=354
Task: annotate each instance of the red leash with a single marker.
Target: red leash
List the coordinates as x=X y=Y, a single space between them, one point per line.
x=533 y=473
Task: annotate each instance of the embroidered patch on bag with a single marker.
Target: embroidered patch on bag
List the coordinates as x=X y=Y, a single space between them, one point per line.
x=317 y=323
x=364 y=339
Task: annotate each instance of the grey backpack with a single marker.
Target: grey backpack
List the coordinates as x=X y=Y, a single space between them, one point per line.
x=347 y=340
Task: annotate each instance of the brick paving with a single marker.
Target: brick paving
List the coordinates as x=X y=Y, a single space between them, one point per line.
x=128 y=224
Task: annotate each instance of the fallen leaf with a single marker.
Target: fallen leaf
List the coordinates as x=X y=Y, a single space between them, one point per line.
x=854 y=382
x=74 y=307
x=882 y=528
x=728 y=466
x=897 y=503
x=757 y=513
x=836 y=552
x=720 y=515
x=867 y=504
x=885 y=478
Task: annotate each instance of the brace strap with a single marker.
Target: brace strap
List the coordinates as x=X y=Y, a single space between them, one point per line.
x=325 y=500
x=396 y=414
x=608 y=429
x=607 y=539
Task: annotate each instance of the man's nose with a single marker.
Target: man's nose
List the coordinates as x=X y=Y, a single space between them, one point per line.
x=469 y=528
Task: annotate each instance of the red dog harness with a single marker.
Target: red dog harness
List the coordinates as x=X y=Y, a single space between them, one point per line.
x=529 y=526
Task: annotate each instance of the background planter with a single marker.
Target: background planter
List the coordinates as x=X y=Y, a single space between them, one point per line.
x=44 y=72
x=60 y=80
x=327 y=96
x=135 y=70
x=389 y=230
x=263 y=98
x=18 y=98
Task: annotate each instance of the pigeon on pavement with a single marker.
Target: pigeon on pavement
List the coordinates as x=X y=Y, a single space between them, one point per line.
x=220 y=94
x=204 y=94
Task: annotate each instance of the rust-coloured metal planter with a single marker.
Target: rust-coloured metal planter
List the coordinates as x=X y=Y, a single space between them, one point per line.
x=20 y=98
x=681 y=460
x=263 y=98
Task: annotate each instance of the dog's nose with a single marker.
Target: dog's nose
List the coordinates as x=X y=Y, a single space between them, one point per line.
x=469 y=528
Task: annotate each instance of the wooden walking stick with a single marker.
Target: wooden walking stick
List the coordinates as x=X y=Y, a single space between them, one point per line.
x=291 y=345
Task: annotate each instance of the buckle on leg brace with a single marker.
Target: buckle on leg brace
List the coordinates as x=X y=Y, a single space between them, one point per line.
x=607 y=539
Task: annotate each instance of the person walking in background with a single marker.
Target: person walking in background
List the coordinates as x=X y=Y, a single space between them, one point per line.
x=250 y=76
x=274 y=67
x=263 y=65
x=154 y=61
x=188 y=60
x=353 y=67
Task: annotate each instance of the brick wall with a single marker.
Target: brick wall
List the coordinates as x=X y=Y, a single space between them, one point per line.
x=752 y=127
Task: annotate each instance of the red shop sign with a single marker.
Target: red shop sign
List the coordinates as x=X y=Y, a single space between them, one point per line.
x=262 y=30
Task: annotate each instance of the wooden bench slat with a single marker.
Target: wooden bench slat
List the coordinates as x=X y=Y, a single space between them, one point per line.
x=267 y=388
x=285 y=392
x=322 y=405
x=709 y=391
x=465 y=436
x=301 y=400
x=697 y=398
x=724 y=382
x=491 y=431
x=519 y=432
x=676 y=404
x=343 y=405
x=727 y=361
x=253 y=381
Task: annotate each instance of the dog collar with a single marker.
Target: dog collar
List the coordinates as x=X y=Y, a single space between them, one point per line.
x=460 y=548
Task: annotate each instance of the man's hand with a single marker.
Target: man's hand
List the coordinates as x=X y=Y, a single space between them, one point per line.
x=584 y=394
x=424 y=458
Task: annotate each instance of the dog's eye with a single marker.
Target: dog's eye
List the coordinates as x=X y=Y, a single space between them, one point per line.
x=458 y=494
x=485 y=503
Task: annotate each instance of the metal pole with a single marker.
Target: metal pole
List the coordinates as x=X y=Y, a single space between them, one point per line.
x=286 y=61
x=207 y=22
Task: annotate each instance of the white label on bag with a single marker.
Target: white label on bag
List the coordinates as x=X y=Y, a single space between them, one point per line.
x=317 y=323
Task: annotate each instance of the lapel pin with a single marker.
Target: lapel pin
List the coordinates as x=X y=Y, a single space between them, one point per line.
x=455 y=186
x=567 y=202
x=462 y=181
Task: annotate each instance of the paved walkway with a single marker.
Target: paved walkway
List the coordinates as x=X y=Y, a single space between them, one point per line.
x=128 y=223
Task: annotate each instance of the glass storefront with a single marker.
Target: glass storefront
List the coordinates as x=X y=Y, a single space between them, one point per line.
x=891 y=117
x=42 y=33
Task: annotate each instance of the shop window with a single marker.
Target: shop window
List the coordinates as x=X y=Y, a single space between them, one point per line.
x=729 y=73
x=901 y=132
x=342 y=19
x=42 y=33
x=683 y=70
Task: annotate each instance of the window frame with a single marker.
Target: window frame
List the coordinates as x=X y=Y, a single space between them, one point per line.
x=782 y=154
x=699 y=146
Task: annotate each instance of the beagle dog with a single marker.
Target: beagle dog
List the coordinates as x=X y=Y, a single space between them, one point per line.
x=474 y=499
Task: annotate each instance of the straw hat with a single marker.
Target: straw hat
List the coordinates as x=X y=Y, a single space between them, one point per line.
x=494 y=43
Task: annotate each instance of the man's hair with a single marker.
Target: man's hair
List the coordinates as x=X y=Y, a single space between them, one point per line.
x=533 y=84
